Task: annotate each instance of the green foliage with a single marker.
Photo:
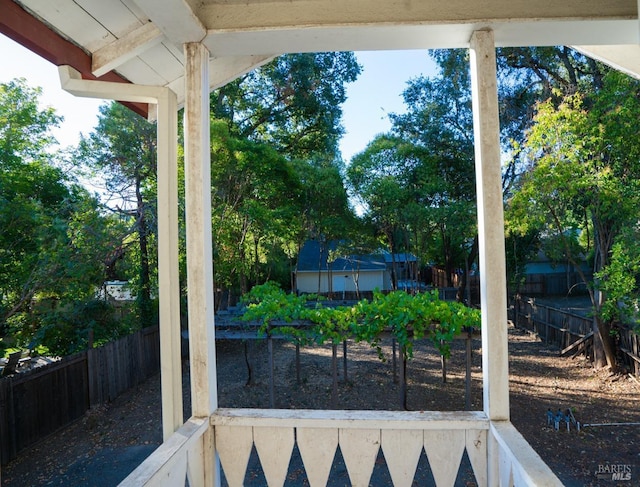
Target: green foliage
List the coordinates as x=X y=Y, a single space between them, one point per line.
x=256 y=208
x=66 y=330
x=417 y=183
x=268 y=302
x=408 y=318
x=292 y=103
x=25 y=129
x=55 y=237
x=414 y=317
x=276 y=166
x=122 y=152
x=620 y=281
x=582 y=189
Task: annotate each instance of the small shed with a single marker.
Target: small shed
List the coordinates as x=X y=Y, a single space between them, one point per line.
x=318 y=271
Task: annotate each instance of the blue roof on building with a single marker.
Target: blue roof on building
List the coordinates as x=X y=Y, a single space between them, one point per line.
x=314 y=256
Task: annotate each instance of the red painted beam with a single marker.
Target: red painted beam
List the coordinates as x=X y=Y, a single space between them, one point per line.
x=19 y=25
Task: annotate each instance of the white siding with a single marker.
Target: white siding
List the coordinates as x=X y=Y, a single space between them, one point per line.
x=307 y=281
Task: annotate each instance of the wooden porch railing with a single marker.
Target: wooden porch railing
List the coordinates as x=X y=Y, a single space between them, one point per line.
x=401 y=436
x=519 y=464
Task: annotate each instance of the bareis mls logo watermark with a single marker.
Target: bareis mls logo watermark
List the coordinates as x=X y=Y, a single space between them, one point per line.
x=614 y=472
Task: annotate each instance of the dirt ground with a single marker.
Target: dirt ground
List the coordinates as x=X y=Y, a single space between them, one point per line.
x=107 y=443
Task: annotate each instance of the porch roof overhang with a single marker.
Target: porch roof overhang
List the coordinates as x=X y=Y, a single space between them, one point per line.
x=140 y=41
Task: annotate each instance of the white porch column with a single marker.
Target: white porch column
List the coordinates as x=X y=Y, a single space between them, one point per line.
x=493 y=286
x=204 y=393
x=169 y=282
x=168 y=273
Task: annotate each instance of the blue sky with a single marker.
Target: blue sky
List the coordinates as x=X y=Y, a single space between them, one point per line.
x=376 y=93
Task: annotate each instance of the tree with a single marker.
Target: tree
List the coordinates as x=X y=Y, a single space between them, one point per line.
x=378 y=177
x=619 y=281
x=582 y=188
x=122 y=152
x=292 y=103
x=528 y=75
x=29 y=189
x=326 y=215
x=54 y=237
x=418 y=182
x=283 y=126
x=439 y=124
x=256 y=207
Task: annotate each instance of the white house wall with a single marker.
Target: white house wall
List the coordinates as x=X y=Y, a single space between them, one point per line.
x=307 y=282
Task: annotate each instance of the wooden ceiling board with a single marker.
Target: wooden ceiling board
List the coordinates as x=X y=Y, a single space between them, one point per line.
x=136 y=10
x=252 y=14
x=161 y=60
x=114 y=16
x=241 y=30
x=72 y=21
x=143 y=74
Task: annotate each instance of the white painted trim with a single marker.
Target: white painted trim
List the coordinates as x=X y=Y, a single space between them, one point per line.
x=415 y=35
x=622 y=58
x=520 y=458
x=169 y=282
x=223 y=70
x=71 y=81
x=158 y=466
x=175 y=19
x=122 y=50
x=347 y=419
x=197 y=155
x=168 y=267
x=493 y=283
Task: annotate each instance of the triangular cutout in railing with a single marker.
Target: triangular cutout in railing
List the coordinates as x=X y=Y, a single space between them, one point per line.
x=466 y=475
x=296 y=473
x=423 y=475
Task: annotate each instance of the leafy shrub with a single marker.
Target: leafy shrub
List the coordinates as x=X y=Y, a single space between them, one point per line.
x=65 y=331
x=406 y=317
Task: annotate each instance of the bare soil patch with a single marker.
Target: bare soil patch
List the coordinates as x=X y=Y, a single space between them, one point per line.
x=121 y=434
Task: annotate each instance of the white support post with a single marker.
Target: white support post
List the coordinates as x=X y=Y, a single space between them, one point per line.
x=168 y=279
x=197 y=155
x=493 y=286
x=168 y=273
x=202 y=357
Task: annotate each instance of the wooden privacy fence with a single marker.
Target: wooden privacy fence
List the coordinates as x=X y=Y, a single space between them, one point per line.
x=630 y=347
x=552 y=284
x=36 y=403
x=571 y=332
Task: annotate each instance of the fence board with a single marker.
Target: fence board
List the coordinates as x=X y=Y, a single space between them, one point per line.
x=550 y=284
x=36 y=403
x=7 y=445
x=44 y=400
x=563 y=329
x=629 y=344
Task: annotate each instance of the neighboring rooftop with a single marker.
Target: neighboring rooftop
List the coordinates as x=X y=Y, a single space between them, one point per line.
x=314 y=256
